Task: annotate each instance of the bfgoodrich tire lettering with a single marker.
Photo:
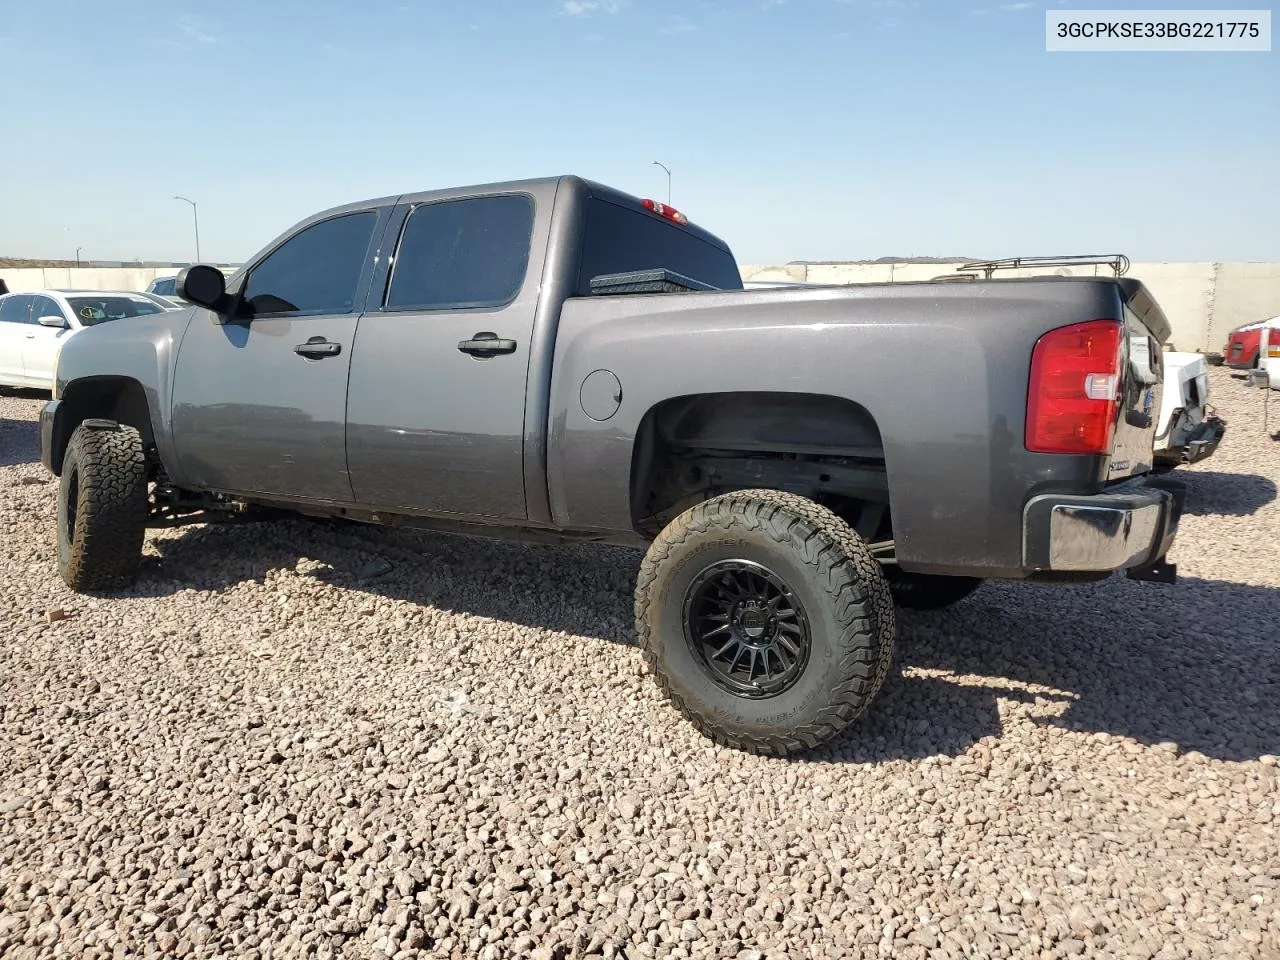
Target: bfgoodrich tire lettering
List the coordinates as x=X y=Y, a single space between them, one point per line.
x=102 y=507
x=836 y=582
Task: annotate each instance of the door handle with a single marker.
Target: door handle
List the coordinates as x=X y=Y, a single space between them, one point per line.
x=484 y=345
x=318 y=347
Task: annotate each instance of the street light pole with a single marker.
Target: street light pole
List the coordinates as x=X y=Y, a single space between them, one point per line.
x=668 y=169
x=78 y=249
x=196 y=218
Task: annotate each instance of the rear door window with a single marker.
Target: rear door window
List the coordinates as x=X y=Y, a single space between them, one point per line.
x=462 y=254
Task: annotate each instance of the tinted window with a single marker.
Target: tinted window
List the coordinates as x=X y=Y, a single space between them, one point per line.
x=44 y=307
x=14 y=309
x=90 y=309
x=160 y=301
x=315 y=271
x=166 y=288
x=618 y=240
x=462 y=253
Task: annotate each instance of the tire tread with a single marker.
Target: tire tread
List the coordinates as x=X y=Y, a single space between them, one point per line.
x=111 y=509
x=844 y=568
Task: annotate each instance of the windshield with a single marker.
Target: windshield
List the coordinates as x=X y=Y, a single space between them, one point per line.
x=91 y=310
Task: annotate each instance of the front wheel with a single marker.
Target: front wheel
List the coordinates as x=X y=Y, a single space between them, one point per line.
x=766 y=621
x=102 y=507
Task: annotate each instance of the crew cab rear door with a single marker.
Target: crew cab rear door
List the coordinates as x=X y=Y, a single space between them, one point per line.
x=436 y=405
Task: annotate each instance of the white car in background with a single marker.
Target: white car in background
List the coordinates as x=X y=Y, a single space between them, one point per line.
x=35 y=324
x=1188 y=430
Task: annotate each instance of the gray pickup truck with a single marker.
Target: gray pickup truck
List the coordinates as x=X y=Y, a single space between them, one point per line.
x=555 y=358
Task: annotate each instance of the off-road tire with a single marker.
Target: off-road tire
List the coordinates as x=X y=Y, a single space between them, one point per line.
x=926 y=591
x=843 y=591
x=104 y=483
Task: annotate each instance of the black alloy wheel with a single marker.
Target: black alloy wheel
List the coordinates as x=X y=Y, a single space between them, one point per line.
x=747 y=628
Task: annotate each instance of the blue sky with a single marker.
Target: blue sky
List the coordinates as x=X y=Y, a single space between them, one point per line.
x=795 y=129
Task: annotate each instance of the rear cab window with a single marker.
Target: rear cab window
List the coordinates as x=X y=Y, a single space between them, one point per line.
x=623 y=239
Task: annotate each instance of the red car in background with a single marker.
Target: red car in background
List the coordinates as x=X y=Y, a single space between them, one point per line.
x=1243 y=346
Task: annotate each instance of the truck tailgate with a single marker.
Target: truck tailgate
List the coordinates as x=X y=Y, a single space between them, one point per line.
x=1146 y=331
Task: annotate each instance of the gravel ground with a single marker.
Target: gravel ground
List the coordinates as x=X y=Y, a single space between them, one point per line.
x=276 y=747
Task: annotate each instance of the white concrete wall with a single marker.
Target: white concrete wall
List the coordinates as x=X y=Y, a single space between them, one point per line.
x=1202 y=300
x=86 y=278
x=1243 y=292
x=83 y=278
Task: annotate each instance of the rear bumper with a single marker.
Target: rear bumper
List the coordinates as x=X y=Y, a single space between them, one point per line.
x=1268 y=375
x=1241 y=359
x=1128 y=527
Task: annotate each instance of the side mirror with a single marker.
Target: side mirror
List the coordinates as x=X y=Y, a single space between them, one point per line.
x=205 y=286
x=58 y=323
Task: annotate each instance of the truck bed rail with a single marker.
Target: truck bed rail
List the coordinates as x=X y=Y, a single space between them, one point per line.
x=1118 y=263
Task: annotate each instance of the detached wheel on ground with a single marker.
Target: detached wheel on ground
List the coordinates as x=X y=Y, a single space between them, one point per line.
x=927 y=591
x=102 y=507
x=766 y=621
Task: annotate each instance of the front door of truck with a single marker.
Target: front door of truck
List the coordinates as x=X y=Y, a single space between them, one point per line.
x=435 y=413
x=259 y=401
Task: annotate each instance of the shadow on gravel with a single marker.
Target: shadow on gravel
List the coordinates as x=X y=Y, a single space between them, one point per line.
x=1193 y=664
x=585 y=590
x=25 y=393
x=1226 y=494
x=20 y=439
x=19 y=442
x=1197 y=668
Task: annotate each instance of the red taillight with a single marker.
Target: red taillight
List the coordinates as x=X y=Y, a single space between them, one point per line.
x=662 y=210
x=1075 y=389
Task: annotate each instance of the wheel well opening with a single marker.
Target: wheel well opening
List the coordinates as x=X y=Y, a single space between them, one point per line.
x=691 y=448
x=110 y=398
